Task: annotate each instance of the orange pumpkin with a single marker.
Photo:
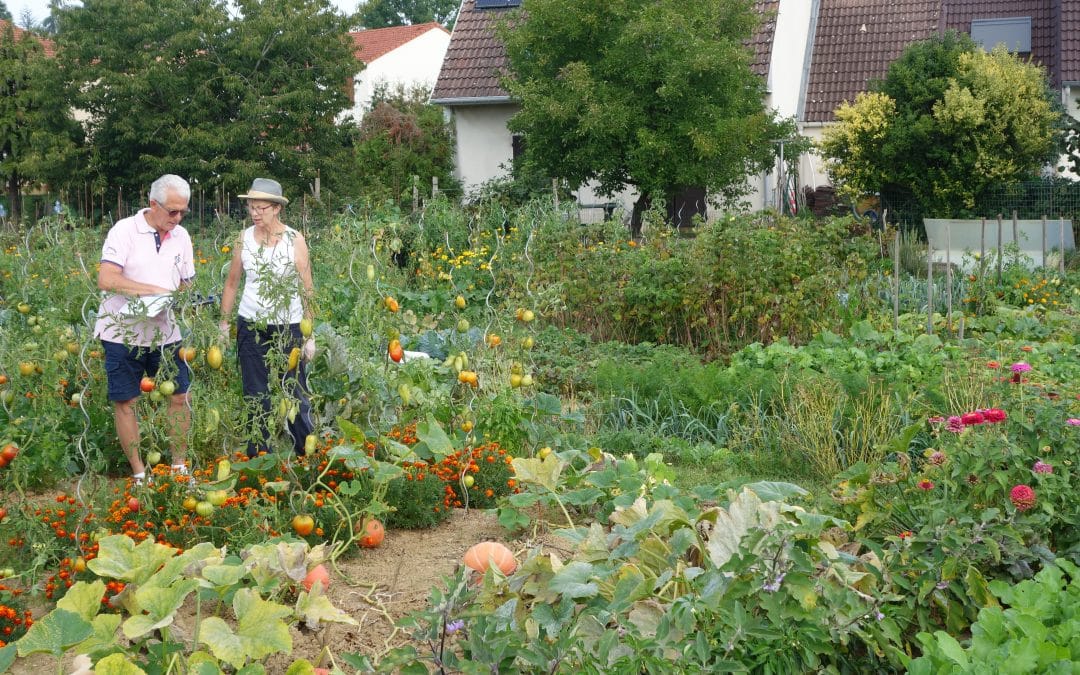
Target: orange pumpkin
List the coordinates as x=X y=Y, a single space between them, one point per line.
x=482 y=555
x=373 y=533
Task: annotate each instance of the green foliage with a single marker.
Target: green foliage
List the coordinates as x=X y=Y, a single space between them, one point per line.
x=668 y=102
x=385 y=13
x=948 y=122
x=190 y=88
x=400 y=137
x=38 y=137
x=1037 y=630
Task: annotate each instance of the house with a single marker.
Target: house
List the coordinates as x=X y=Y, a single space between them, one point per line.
x=813 y=54
x=20 y=34
x=406 y=56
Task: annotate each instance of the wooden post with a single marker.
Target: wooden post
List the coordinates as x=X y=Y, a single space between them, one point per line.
x=415 y=193
x=555 y=192
x=999 y=251
x=318 y=185
x=982 y=240
x=434 y=186
x=1043 y=262
x=1061 y=246
x=929 y=289
x=948 y=280
x=896 y=282
x=1016 y=239
x=119 y=196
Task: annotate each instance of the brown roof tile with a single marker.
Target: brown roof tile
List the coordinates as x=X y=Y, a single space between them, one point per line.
x=476 y=57
x=371 y=44
x=1070 y=42
x=50 y=47
x=762 y=40
x=855 y=42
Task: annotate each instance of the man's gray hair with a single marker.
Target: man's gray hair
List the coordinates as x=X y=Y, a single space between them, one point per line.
x=160 y=189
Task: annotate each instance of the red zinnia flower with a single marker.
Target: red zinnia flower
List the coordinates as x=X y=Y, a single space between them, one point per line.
x=994 y=415
x=1022 y=497
x=973 y=418
x=925 y=484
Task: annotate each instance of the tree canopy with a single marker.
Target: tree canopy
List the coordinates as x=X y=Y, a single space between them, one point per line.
x=217 y=95
x=948 y=122
x=39 y=140
x=386 y=13
x=5 y=13
x=656 y=94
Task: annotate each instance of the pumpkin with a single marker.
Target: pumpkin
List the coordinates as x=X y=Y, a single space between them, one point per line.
x=482 y=555
x=317 y=575
x=373 y=533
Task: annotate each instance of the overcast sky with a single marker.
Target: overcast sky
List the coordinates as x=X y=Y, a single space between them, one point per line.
x=40 y=8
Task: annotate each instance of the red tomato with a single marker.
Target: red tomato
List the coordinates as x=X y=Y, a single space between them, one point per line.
x=133 y=504
x=147 y=384
x=9 y=452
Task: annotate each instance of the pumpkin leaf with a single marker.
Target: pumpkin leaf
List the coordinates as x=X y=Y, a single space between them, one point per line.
x=7 y=657
x=315 y=607
x=117 y=664
x=104 y=636
x=433 y=437
x=119 y=557
x=573 y=581
x=260 y=630
x=84 y=599
x=55 y=633
x=159 y=604
x=544 y=472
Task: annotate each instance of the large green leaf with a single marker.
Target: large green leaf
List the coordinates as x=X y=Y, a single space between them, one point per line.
x=260 y=630
x=7 y=657
x=315 y=607
x=159 y=605
x=117 y=664
x=434 y=438
x=104 y=636
x=120 y=558
x=773 y=491
x=83 y=598
x=55 y=633
x=573 y=580
x=544 y=472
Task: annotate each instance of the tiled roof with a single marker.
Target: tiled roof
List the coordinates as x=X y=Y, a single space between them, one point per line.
x=1070 y=45
x=476 y=57
x=50 y=47
x=371 y=44
x=1044 y=33
x=762 y=40
x=855 y=42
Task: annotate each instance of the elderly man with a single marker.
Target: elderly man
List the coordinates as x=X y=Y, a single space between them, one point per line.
x=146 y=258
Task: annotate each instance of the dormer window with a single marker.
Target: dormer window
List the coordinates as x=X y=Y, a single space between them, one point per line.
x=1014 y=33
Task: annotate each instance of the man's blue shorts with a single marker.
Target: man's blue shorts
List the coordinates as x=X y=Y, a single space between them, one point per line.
x=125 y=366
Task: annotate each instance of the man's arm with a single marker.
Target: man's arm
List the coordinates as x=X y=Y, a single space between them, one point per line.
x=111 y=278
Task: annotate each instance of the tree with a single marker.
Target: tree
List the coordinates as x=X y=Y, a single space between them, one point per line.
x=39 y=139
x=188 y=87
x=949 y=122
x=5 y=13
x=656 y=94
x=400 y=137
x=385 y=13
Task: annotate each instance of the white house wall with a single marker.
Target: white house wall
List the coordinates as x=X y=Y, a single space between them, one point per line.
x=414 y=64
x=483 y=145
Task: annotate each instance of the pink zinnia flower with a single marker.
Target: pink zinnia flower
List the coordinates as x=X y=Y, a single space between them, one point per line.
x=994 y=415
x=937 y=458
x=1021 y=367
x=1042 y=467
x=955 y=425
x=925 y=484
x=1073 y=421
x=1022 y=497
x=972 y=418
x=937 y=419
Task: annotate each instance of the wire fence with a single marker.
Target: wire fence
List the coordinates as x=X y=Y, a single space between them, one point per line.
x=1051 y=198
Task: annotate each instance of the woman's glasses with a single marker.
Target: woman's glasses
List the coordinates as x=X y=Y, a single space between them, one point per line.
x=259 y=209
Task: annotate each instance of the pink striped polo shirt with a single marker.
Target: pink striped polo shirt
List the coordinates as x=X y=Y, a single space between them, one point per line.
x=131 y=245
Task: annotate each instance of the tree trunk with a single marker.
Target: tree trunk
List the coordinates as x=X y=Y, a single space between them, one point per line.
x=640 y=207
x=14 y=198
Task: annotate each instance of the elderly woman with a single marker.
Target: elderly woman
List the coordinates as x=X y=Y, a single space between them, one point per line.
x=278 y=293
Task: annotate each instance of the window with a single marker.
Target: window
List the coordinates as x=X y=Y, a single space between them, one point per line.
x=517 y=144
x=497 y=4
x=1014 y=33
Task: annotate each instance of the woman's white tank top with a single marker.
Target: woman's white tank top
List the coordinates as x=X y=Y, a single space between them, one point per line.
x=271 y=283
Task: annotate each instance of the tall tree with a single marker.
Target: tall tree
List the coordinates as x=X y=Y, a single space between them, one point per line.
x=656 y=94
x=189 y=87
x=5 y=13
x=385 y=13
x=948 y=122
x=39 y=139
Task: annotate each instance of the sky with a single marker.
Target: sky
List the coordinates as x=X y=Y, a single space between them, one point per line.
x=40 y=8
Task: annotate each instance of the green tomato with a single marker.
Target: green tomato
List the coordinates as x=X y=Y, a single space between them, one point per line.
x=167 y=388
x=204 y=509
